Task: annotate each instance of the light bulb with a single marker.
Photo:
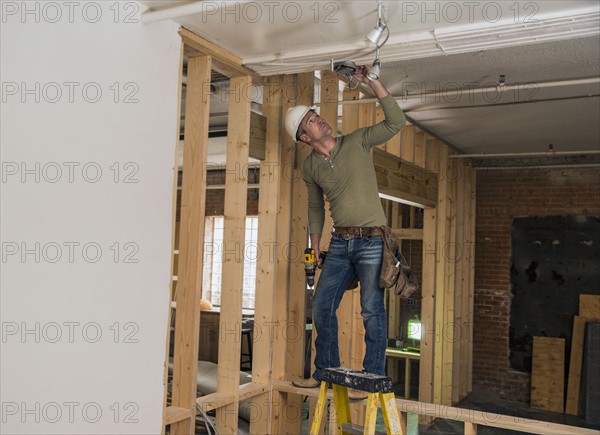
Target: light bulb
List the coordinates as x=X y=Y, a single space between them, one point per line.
x=375 y=71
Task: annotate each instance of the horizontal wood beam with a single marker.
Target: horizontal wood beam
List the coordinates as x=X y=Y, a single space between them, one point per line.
x=403 y=180
x=219 y=400
x=223 y=61
x=175 y=414
x=408 y=233
x=458 y=414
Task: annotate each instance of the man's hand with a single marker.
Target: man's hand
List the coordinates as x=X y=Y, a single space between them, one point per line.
x=315 y=239
x=360 y=75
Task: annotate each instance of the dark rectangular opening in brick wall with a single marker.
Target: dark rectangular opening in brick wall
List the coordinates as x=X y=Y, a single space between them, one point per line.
x=554 y=260
x=501 y=196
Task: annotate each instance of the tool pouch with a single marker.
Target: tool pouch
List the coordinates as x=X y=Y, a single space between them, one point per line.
x=395 y=271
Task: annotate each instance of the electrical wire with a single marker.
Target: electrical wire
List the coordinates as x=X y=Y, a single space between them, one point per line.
x=207 y=421
x=358 y=53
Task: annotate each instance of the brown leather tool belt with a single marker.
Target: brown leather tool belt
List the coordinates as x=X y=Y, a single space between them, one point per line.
x=348 y=233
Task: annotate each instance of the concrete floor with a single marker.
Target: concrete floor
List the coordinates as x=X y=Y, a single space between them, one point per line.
x=491 y=402
x=481 y=401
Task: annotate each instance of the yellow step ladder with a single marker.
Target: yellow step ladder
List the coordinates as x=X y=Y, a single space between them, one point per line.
x=379 y=389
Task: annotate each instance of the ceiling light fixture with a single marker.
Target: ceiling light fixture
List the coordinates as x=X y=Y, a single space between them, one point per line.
x=375 y=71
x=375 y=35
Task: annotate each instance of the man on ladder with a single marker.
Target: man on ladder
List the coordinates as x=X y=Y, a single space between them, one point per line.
x=342 y=169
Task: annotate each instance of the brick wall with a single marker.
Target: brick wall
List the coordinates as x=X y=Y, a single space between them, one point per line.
x=502 y=195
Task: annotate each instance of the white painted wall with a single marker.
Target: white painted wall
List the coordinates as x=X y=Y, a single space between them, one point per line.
x=84 y=309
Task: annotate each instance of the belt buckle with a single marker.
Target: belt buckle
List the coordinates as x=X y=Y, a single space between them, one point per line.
x=347 y=236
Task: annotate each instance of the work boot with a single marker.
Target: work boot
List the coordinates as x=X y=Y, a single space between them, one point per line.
x=306 y=383
x=354 y=394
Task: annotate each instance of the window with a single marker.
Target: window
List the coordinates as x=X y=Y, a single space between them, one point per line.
x=213 y=260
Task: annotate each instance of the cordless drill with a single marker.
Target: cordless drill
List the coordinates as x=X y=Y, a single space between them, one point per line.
x=310 y=265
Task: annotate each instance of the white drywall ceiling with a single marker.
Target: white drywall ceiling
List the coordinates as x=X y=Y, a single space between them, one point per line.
x=449 y=48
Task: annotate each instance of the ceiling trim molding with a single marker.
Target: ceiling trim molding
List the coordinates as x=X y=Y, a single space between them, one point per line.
x=437 y=42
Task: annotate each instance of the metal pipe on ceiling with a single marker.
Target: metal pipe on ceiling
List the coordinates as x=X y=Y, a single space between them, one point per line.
x=565 y=166
x=497 y=88
x=531 y=154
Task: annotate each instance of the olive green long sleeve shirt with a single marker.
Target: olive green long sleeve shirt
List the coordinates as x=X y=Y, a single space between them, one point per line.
x=348 y=179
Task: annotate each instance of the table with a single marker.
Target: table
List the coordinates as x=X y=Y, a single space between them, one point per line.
x=408 y=356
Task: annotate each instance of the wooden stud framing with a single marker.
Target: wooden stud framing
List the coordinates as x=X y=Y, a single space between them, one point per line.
x=236 y=189
x=224 y=61
x=457 y=260
x=407 y=150
x=296 y=310
x=279 y=400
x=420 y=147
x=444 y=296
x=187 y=320
x=471 y=285
x=432 y=155
x=266 y=268
x=428 y=282
x=470 y=428
x=447 y=285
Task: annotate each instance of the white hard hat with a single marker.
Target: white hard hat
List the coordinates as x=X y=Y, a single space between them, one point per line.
x=294 y=117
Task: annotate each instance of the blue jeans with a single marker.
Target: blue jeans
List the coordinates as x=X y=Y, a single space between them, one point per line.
x=345 y=258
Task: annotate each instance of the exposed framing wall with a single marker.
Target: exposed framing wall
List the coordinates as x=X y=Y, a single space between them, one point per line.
x=413 y=166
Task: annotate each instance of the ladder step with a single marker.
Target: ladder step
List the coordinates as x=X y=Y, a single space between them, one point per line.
x=358 y=380
x=356 y=429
